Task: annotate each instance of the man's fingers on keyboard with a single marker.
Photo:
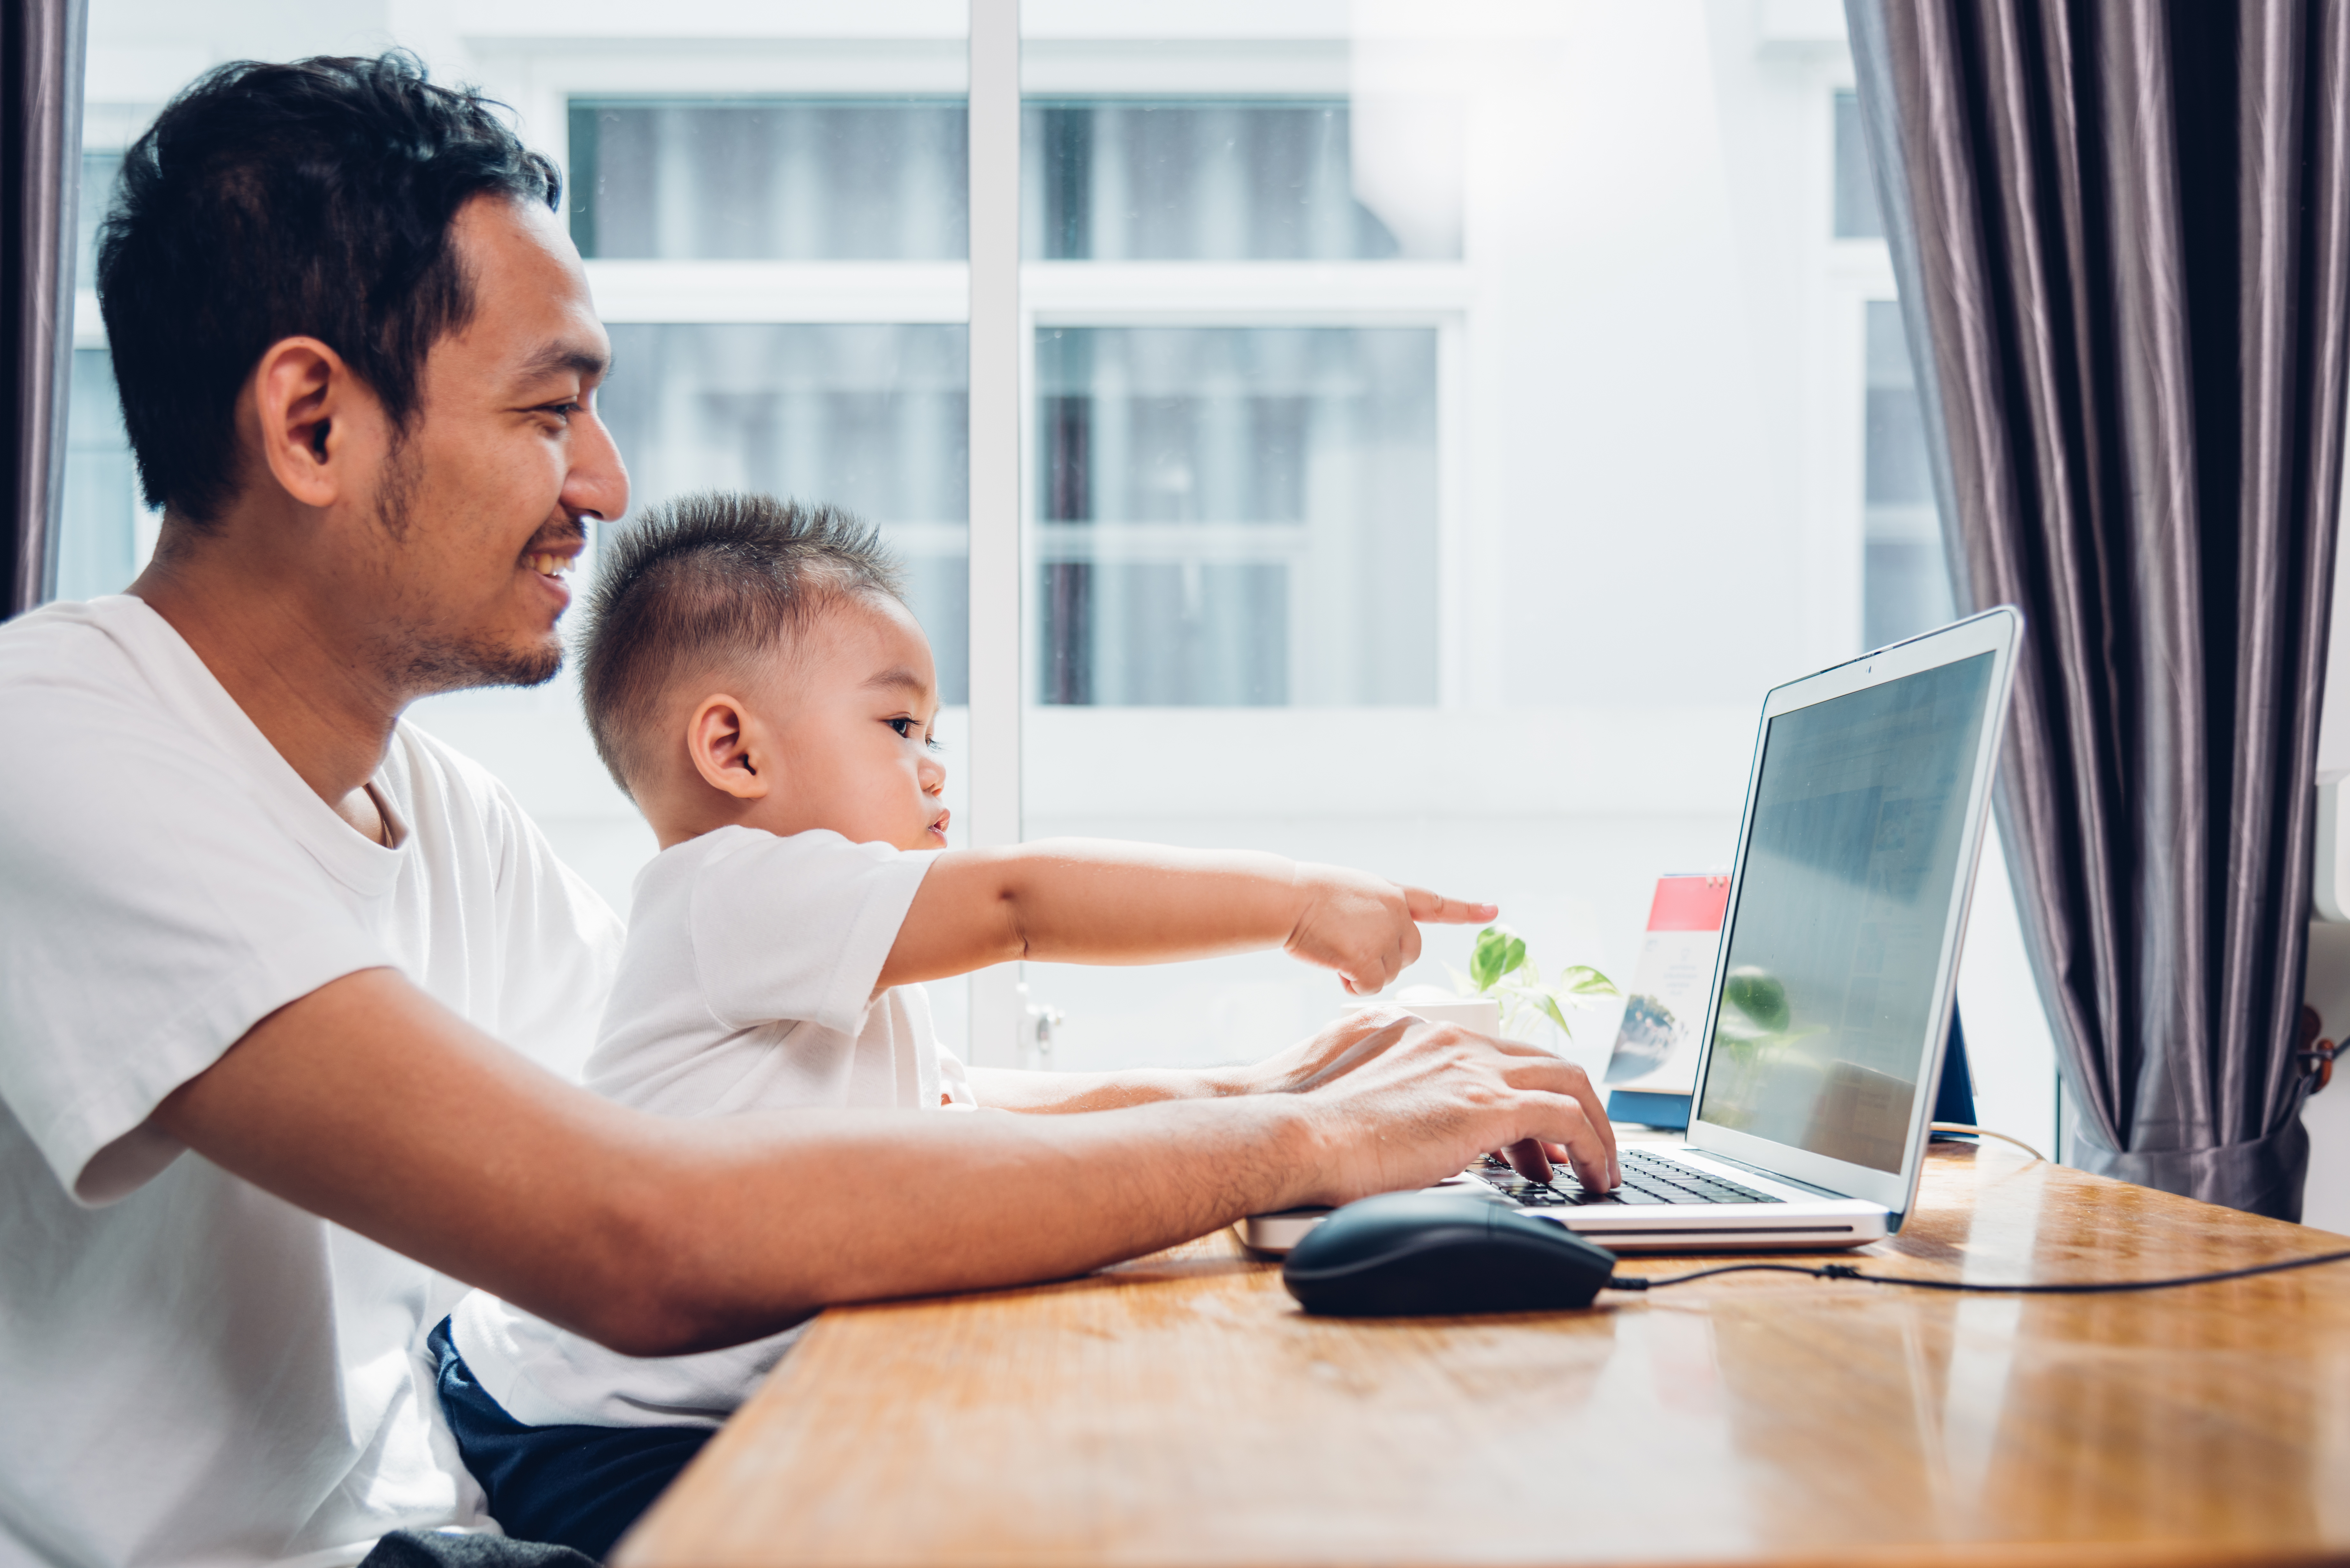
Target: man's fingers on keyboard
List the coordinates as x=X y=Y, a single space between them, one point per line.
x=1530 y=1157
x=1558 y=1155
x=1584 y=1149
x=1556 y=1076
x=1593 y=1154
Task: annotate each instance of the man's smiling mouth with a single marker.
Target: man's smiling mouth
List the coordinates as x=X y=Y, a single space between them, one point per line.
x=547 y=564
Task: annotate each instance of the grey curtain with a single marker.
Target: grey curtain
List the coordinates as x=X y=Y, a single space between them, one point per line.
x=40 y=168
x=2122 y=237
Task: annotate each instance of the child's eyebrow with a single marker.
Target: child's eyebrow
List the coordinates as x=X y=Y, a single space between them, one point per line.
x=897 y=678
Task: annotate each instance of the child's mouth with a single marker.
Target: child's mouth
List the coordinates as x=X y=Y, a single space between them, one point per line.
x=940 y=826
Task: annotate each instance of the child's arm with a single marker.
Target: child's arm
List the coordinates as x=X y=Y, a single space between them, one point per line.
x=1078 y=900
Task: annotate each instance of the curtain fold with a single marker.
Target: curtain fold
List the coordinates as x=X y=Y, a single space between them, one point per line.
x=2123 y=244
x=40 y=168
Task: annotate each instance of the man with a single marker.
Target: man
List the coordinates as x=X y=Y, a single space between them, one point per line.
x=265 y=943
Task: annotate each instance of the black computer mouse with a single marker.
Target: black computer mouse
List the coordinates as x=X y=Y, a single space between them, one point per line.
x=1432 y=1254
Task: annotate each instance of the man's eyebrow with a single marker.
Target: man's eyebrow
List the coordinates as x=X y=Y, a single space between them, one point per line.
x=552 y=359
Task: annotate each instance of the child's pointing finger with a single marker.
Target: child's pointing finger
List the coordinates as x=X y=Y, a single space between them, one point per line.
x=1436 y=910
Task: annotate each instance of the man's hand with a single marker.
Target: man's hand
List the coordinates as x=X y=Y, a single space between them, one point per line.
x=1439 y=1098
x=1366 y=927
x=1338 y=1047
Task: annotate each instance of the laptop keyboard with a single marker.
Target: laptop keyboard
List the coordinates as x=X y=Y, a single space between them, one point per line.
x=1647 y=1179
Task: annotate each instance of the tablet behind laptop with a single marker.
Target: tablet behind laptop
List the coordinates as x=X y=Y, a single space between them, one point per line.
x=1866 y=808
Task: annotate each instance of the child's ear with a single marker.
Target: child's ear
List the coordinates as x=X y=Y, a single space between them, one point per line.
x=728 y=748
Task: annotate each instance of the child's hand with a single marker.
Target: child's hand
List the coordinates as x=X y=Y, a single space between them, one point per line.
x=1365 y=927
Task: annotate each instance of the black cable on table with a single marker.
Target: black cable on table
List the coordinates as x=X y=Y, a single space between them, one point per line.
x=2085 y=1288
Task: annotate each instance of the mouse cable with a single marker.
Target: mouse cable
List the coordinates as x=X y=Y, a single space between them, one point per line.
x=1967 y=1130
x=2085 y=1288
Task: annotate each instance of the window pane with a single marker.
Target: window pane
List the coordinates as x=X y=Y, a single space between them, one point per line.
x=100 y=532
x=1906 y=586
x=770 y=180
x=1202 y=180
x=1236 y=516
x=1856 y=217
x=97 y=172
x=872 y=419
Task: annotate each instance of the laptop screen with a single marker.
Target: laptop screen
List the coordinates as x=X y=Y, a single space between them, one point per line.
x=1835 y=940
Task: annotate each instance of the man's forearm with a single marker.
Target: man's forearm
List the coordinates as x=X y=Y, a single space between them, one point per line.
x=371 y=1105
x=806 y=1209
x=367 y=1103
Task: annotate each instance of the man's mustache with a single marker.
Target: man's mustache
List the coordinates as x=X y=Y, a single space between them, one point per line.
x=573 y=532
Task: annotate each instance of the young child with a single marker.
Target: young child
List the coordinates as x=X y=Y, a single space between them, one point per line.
x=755 y=684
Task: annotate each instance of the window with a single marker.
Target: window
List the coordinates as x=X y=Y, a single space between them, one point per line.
x=1856 y=217
x=780 y=179
x=1236 y=516
x=1908 y=582
x=1904 y=577
x=1204 y=180
x=870 y=418
x=106 y=532
x=1438 y=424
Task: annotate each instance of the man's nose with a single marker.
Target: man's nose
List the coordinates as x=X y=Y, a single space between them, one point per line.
x=598 y=483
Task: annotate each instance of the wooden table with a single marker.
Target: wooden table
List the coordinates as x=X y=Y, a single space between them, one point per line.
x=1180 y=1409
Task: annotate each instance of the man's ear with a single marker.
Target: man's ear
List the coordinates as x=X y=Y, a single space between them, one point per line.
x=311 y=411
x=729 y=748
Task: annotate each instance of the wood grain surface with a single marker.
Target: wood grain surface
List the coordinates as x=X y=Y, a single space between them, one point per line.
x=1180 y=1409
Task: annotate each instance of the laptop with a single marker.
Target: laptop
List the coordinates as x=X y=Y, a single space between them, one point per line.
x=1866 y=809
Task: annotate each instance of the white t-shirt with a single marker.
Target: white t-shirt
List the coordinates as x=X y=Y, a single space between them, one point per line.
x=192 y=1371
x=746 y=984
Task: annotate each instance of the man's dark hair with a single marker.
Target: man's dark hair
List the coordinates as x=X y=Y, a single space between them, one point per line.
x=710 y=583
x=269 y=201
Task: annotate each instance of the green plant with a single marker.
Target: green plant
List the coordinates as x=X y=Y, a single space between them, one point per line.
x=1499 y=968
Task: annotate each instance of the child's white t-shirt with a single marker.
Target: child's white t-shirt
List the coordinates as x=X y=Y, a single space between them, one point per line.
x=746 y=984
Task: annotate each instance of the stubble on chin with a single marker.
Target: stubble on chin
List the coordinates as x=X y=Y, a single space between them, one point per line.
x=428 y=657
x=431 y=663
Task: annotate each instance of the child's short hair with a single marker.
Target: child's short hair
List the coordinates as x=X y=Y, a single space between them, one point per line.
x=708 y=582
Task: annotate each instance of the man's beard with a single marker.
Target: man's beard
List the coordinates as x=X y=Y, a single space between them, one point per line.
x=429 y=664
x=425 y=658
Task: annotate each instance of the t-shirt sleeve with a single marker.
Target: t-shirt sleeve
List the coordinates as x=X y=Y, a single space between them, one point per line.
x=153 y=914
x=799 y=927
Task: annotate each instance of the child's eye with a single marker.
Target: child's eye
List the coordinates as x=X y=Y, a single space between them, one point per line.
x=933 y=743
x=905 y=728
